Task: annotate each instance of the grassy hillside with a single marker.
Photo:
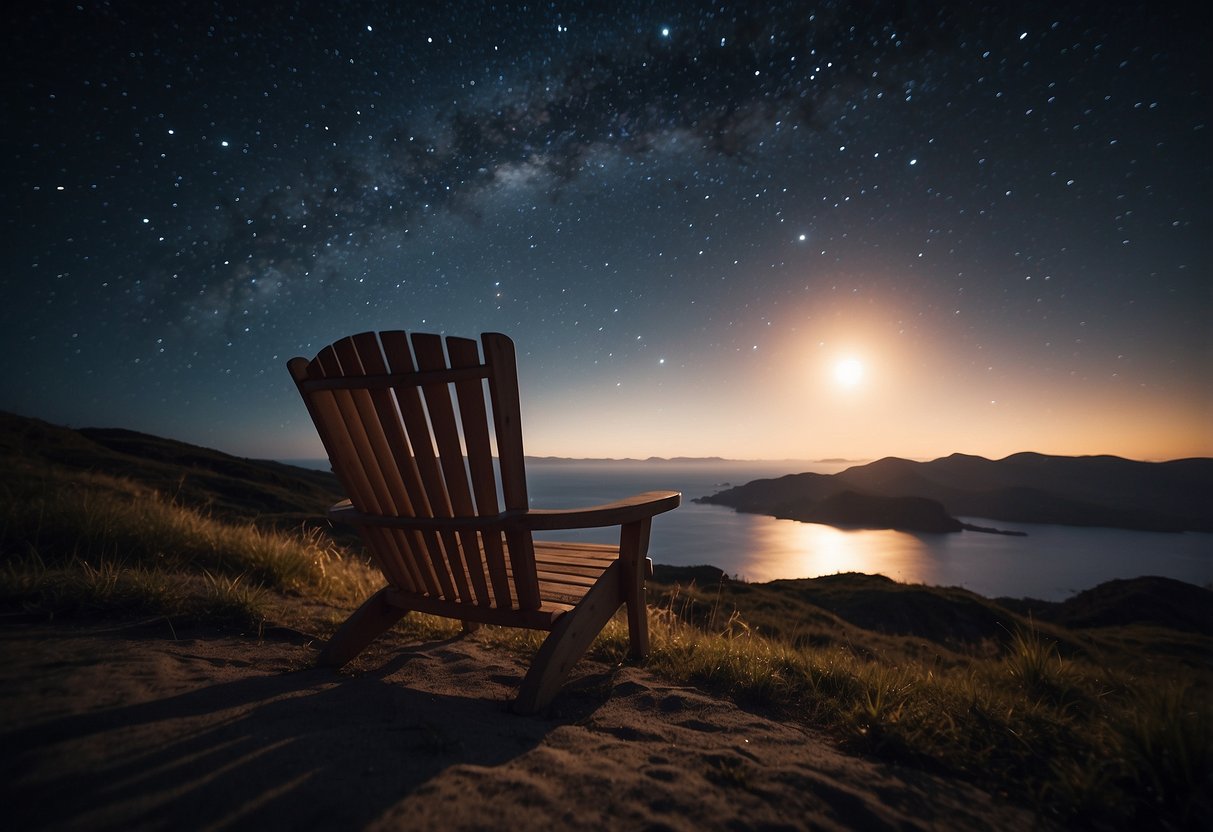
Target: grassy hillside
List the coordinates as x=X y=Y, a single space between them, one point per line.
x=225 y=486
x=1095 y=711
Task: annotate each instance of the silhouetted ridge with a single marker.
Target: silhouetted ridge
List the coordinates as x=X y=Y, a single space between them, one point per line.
x=1162 y=602
x=1024 y=487
x=231 y=487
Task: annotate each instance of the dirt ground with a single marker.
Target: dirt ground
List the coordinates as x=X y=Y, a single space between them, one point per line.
x=140 y=727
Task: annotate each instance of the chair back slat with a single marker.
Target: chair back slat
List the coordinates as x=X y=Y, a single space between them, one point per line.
x=473 y=415
x=382 y=473
x=354 y=452
x=433 y=500
x=338 y=407
x=397 y=547
x=507 y=416
x=474 y=421
x=408 y=545
x=416 y=440
x=337 y=444
x=427 y=350
x=323 y=410
x=361 y=354
x=507 y=419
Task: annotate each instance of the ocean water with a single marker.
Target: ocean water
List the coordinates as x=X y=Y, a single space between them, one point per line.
x=1051 y=563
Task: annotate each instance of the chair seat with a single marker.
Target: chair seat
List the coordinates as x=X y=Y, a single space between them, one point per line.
x=566 y=572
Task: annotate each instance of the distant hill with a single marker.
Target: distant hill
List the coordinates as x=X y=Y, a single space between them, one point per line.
x=950 y=616
x=229 y=487
x=659 y=460
x=1148 y=600
x=1027 y=488
x=651 y=459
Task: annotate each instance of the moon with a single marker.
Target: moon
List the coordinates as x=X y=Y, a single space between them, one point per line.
x=848 y=372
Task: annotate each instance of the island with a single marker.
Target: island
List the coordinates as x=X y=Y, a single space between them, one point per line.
x=907 y=495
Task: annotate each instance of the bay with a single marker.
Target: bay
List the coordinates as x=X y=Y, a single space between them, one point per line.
x=1051 y=562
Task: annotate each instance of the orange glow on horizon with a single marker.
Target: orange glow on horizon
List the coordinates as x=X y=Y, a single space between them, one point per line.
x=907 y=396
x=857 y=383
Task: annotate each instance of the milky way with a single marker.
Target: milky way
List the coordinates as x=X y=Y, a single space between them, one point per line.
x=678 y=211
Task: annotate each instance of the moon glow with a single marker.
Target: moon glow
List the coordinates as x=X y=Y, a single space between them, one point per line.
x=848 y=372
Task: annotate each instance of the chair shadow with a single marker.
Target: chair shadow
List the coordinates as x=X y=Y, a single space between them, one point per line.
x=308 y=748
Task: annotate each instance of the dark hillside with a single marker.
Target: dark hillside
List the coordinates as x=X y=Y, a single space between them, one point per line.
x=1149 y=600
x=1153 y=618
x=229 y=487
x=758 y=496
x=947 y=615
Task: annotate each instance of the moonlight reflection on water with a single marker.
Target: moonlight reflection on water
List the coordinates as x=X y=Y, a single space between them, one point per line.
x=786 y=547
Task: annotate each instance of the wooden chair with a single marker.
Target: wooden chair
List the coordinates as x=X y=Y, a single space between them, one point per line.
x=406 y=426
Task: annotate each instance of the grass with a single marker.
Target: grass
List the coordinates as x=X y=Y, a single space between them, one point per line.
x=1087 y=730
x=1091 y=741
x=103 y=544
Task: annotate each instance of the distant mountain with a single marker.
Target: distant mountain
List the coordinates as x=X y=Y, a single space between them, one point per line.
x=950 y=616
x=658 y=460
x=1027 y=488
x=653 y=459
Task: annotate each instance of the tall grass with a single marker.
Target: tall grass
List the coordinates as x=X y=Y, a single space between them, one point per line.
x=1086 y=744
x=1167 y=739
x=107 y=544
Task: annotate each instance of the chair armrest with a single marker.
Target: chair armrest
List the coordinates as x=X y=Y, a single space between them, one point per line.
x=344 y=512
x=618 y=513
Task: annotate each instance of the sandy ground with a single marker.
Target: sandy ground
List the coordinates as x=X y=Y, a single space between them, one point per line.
x=105 y=727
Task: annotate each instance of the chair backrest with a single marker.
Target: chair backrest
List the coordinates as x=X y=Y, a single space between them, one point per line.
x=407 y=428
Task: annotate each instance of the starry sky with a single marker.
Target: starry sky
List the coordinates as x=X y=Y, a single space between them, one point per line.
x=752 y=230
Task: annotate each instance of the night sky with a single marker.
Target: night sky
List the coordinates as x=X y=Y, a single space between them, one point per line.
x=791 y=230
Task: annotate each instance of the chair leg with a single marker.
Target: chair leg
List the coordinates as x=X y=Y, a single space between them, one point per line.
x=633 y=551
x=470 y=627
x=568 y=641
x=374 y=617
